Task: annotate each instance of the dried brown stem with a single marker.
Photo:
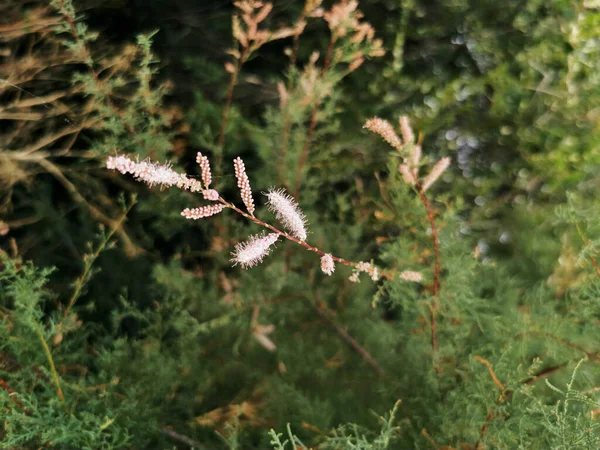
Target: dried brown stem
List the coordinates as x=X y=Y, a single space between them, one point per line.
x=346 y=337
x=292 y=238
x=436 y=272
x=181 y=438
x=488 y=364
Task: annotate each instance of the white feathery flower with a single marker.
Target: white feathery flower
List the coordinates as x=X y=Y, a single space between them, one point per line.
x=152 y=173
x=251 y=252
x=436 y=172
x=288 y=212
x=411 y=275
x=327 y=264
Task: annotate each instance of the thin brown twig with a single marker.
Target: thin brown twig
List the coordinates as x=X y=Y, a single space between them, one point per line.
x=488 y=364
x=181 y=438
x=292 y=238
x=544 y=373
x=346 y=337
x=593 y=356
x=436 y=272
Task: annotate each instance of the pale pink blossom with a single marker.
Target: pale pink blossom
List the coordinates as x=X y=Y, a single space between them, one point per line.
x=354 y=277
x=210 y=194
x=415 y=158
x=244 y=184
x=288 y=212
x=363 y=266
x=327 y=264
x=384 y=129
x=410 y=275
x=406 y=130
x=261 y=334
x=251 y=252
x=436 y=172
x=152 y=173
x=204 y=164
x=201 y=212
x=407 y=175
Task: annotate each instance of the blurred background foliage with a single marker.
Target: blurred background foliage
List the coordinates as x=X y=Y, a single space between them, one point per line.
x=160 y=349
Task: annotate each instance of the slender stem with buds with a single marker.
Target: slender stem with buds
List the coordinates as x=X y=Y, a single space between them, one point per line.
x=285 y=235
x=436 y=270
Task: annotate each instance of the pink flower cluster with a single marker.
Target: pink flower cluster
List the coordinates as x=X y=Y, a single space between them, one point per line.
x=204 y=164
x=363 y=266
x=327 y=264
x=409 y=169
x=410 y=275
x=210 y=194
x=244 y=184
x=201 y=212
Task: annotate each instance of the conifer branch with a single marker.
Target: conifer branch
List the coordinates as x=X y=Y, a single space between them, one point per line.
x=90 y=259
x=48 y=353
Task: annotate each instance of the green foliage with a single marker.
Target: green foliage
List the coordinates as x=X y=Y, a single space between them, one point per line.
x=146 y=337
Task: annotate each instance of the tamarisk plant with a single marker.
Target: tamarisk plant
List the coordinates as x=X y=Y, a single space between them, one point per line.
x=409 y=169
x=285 y=208
x=252 y=251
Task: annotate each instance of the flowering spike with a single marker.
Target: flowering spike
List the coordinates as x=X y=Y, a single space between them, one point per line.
x=385 y=130
x=407 y=175
x=363 y=266
x=152 y=173
x=415 y=158
x=354 y=277
x=244 y=184
x=410 y=275
x=435 y=173
x=204 y=164
x=210 y=194
x=407 y=133
x=327 y=264
x=252 y=251
x=288 y=212
x=203 y=211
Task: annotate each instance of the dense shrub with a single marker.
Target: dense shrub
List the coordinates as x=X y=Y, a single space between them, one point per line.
x=293 y=272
